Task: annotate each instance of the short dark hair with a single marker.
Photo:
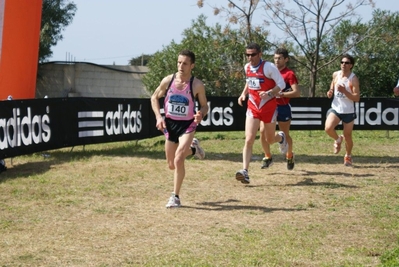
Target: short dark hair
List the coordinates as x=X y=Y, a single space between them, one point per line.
x=351 y=59
x=254 y=46
x=189 y=54
x=281 y=51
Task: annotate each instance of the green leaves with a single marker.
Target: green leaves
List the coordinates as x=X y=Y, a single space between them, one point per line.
x=56 y=15
x=219 y=58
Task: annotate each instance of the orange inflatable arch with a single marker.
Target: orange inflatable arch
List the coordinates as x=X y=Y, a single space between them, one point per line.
x=19 y=47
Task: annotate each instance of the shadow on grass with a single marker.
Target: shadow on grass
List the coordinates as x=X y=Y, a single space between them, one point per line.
x=155 y=151
x=335 y=174
x=310 y=182
x=25 y=170
x=226 y=206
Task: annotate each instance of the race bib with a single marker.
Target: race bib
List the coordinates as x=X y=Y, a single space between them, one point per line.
x=253 y=83
x=178 y=105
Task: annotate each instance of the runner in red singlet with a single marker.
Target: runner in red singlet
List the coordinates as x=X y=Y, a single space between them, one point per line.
x=263 y=83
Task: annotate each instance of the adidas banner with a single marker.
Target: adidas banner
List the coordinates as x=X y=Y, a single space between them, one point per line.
x=34 y=125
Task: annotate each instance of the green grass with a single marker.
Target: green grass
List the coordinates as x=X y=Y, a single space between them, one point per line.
x=104 y=205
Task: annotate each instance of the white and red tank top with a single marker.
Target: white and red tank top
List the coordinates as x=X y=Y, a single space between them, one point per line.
x=257 y=81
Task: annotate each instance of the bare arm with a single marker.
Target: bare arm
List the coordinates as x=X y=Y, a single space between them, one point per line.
x=243 y=95
x=330 y=92
x=159 y=93
x=292 y=94
x=355 y=94
x=199 y=92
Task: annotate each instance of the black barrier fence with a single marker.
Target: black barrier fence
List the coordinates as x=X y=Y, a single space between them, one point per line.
x=34 y=125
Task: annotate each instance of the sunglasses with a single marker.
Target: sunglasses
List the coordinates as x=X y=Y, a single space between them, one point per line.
x=251 y=55
x=345 y=62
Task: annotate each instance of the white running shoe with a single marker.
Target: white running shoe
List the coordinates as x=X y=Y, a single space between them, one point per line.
x=174 y=202
x=283 y=145
x=348 y=161
x=199 y=152
x=242 y=176
x=337 y=145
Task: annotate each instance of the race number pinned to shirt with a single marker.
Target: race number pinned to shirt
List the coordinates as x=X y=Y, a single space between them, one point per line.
x=253 y=83
x=178 y=105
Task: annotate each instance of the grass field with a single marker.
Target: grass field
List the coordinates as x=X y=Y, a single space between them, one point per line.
x=104 y=205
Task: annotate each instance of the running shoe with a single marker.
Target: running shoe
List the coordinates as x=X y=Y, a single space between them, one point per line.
x=290 y=163
x=2 y=165
x=242 y=176
x=267 y=162
x=348 y=161
x=283 y=145
x=337 y=145
x=199 y=152
x=174 y=202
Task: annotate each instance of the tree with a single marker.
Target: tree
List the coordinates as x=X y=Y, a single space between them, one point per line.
x=140 y=61
x=378 y=57
x=219 y=57
x=306 y=28
x=56 y=15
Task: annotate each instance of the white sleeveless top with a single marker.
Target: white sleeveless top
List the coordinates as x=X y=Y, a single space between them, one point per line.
x=341 y=104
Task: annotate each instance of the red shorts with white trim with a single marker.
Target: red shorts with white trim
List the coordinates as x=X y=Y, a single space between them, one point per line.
x=266 y=114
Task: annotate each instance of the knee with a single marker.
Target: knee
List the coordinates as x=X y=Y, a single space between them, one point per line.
x=179 y=160
x=270 y=139
x=171 y=165
x=249 y=141
x=348 y=137
x=327 y=129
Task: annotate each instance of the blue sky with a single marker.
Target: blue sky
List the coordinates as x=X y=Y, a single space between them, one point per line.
x=113 y=31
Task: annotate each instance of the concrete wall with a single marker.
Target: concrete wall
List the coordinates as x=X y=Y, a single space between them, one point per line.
x=90 y=80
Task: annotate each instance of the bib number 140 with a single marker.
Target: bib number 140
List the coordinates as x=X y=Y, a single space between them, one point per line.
x=179 y=110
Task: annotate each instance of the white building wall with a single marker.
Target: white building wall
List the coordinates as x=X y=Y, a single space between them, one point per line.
x=90 y=80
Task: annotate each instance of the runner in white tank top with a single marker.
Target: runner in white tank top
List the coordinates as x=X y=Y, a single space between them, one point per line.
x=341 y=103
x=396 y=90
x=345 y=90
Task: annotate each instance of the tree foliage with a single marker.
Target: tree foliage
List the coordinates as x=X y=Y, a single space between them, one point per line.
x=140 y=61
x=306 y=26
x=219 y=57
x=378 y=57
x=56 y=15
x=315 y=33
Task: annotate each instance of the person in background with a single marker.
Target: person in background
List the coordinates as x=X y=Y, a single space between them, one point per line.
x=396 y=89
x=3 y=166
x=284 y=113
x=345 y=90
x=263 y=83
x=180 y=91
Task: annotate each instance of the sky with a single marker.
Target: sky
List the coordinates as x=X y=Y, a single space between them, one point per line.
x=111 y=32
